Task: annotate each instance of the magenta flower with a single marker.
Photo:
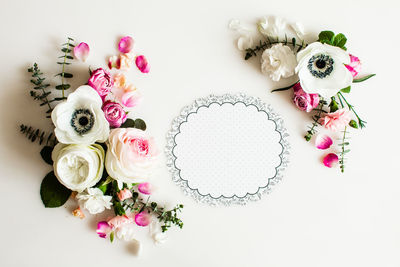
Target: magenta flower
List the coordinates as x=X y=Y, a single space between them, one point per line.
x=81 y=51
x=355 y=65
x=143 y=218
x=142 y=64
x=323 y=141
x=145 y=188
x=101 y=81
x=125 y=45
x=303 y=100
x=114 y=113
x=331 y=160
x=103 y=229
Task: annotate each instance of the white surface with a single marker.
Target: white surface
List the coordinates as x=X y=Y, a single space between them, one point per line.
x=315 y=217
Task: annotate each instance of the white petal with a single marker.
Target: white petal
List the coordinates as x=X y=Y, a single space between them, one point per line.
x=298 y=28
x=245 y=42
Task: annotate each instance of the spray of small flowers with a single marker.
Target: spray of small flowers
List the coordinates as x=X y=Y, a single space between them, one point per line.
x=325 y=71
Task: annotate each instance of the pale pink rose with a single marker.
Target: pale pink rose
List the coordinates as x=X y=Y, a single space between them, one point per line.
x=143 y=218
x=125 y=61
x=337 y=120
x=303 y=100
x=124 y=194
x=120 y=81
x=114 y=113
x=131 y=99
x=119 y=221
x=101 y=81
x=131 y=155
x=355 y=65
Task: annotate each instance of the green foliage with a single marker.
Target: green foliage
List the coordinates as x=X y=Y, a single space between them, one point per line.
x=284 y=88
x=361 y=122
x=346 y=90
x=250 y=52
x=329 y=37
x=46 y=154
x=312 y=129
x=53 y=193
x=38 y=135
x=39 y=88
x=67 y=55
x=363 y=78
x=353 y=124
x=333 y=106
x=343 y=151
x=129 y=123
x=138 y=123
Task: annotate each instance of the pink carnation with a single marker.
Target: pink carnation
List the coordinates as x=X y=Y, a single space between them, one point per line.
x=355 y=65
x=303 y=100
x=101 y=81
x=114 y=113
x=119 y=221
x=124 y=194
x=336 y=121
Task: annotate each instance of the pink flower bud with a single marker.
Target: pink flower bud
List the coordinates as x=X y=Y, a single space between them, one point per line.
x=124 y=194
x=355 y=65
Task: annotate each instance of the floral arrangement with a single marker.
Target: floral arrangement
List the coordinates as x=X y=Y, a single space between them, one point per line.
x=325 y=73
x=101 y=158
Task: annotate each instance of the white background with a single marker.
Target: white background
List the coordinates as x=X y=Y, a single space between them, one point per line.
x=315 y=217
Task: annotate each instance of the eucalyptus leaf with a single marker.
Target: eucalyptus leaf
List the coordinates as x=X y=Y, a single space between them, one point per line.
x=53 y=193
x=140 y=124
x=46 y=154
x=129 y=123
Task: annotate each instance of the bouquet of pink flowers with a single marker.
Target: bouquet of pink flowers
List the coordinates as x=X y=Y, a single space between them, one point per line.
x=325 y=72
x=100 y=158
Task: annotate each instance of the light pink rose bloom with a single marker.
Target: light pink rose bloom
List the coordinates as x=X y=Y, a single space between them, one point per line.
x=355 y=65
x=119 y=221
x=337 y=120
x=124 y=194
x=114 y=113
x=131 y=155
x=303 y=100
x=101 y=81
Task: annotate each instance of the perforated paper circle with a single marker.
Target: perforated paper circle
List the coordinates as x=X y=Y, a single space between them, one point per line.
x=227 y=149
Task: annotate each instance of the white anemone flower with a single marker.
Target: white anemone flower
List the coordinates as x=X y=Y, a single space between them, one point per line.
x=80 y=119
x=321 y=69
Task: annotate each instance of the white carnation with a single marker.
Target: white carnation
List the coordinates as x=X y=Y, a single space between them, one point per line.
x=278 y=61
x=93 y=200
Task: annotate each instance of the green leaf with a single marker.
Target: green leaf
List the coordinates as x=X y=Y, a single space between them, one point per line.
x=53 y=193
x=118 y=209
x=284 y=88
x=353 y=124
x=129 y=123
x=66 y=50
x=66 y=75
x=103 y=187
x=333 y=106
x=112 y=237
x=363 y=78
x=340 y=40
x=46 y=154
x=346 y=90
x=63 y=86
x=140 y=124
x=326 y=37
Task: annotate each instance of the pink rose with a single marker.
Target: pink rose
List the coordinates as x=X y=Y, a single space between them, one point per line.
x=114 y=113
x=355 y=65
x=304 y=101
x=101 y=81
x=336 y=121
x=124 y=194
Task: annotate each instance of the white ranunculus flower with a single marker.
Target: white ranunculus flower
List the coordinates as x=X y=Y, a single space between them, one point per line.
x=278 y=61
x=93 y=200
x=321 y=69
x=131 y=155
x=272 y=27
x=80 y=119
x=78 y=167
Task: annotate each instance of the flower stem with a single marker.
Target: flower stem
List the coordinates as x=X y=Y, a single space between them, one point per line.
x=351 y=107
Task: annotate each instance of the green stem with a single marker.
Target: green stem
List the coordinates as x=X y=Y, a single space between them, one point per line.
x=343 y=150
x=351 y=107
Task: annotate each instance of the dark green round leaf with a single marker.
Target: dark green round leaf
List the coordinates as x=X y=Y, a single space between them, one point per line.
x=53 y=193
x=140 y=124
x=129 y=123
x=46 y=154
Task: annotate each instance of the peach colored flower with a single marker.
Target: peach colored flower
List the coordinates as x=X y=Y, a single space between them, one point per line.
x=126 y=61
x=336 y=121
x=120 y=81
x=78 y=213
x=124 y=194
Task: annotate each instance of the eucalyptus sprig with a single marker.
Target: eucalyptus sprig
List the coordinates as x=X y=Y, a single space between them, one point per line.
x=34 y=134
x=361 y=122
x=66 y=49
x=312 y=129
x=250 y=52
x=343 y=150
x=39 y=91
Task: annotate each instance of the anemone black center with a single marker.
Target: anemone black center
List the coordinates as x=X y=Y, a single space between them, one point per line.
x=83 y=121
x=320 y=63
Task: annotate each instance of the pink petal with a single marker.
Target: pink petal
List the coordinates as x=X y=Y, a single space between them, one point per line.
x=323 y=141
x=114 y=62
x=142 y=218
x=81 y=51
x=142 y=64
x=131 y=99
x=145 y=188
x=125 y=45
x=331 y=160
x=103 y=229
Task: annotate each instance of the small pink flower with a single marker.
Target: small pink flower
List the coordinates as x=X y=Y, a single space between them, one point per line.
x=355 y=65
x=119 y=221
x=131 y=99
x=78 y=213
x=124 y=194
x=125 y=61
x=142 y=64
x=103 y=229
x=114 y=62
x=81 y=51
x=323 y=141
x=336 y=121
x=101 y=81
x=303 y=100
x=331 y=160
x=143 y=218
x=125 y=45
x=145 y=188
x=114 y=113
